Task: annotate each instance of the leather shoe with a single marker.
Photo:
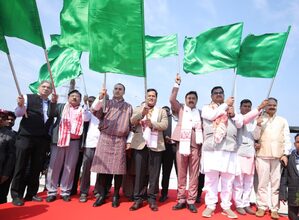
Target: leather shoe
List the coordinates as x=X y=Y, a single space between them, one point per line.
x=136 y=205
x=153 y=206
x=33 y=198
x=83 y=198
x=100 y=201
x=192 y=208
x=179 y=206
x=17 y=202
x=66 y=198
x=115 y=201
x=50 y=198
x=163 y=198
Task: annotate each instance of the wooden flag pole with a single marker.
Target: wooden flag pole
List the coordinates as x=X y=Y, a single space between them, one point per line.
x=50 y=71
x=14 y=74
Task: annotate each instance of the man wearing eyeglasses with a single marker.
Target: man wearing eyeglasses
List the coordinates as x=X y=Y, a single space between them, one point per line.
x=110 y=155
x=219 y=151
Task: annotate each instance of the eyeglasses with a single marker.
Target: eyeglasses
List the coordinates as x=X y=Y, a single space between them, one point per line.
x=218 y=93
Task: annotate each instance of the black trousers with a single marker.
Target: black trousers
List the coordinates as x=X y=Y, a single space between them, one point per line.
x=201 y=183
x=33 y=149
x=104 y=183
x=4 y=188
x=168 y=159
x=293 y=212
x=147 y=162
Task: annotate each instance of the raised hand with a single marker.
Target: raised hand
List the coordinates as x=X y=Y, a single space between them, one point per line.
x=178 y=79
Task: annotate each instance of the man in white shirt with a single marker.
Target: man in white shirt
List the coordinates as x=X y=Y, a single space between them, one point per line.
x=93 y=134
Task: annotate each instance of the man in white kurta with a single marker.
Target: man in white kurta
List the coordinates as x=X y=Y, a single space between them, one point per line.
x=219 y=157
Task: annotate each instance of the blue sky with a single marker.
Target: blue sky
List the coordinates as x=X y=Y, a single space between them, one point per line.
x=186 y=18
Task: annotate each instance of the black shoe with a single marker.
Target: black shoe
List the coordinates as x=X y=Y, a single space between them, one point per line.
x=163 y=198
x=33 y=198
x=50 y=198
x=192 y=208
x=17 y=202
x=136 y=205
x=153 y=206
x=100 y=201
x=179 y=206
x=66 y=198
x=115 y=201
x=83 y=198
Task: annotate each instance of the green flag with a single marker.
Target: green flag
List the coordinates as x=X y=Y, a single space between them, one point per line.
x=260 y=55
x=74 y=24
x=19 y=18
x=3 y=44
x=159 y=47
x=65 y=65
x=116 y=32
x=215 y=49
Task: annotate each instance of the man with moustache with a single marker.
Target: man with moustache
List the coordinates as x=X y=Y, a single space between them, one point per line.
x=243 y=182
x=275 y=145
x=148 y=144
x=219 y=151
x=188 y=136
x=65 y=147
x=32 y=142
x=110 y=156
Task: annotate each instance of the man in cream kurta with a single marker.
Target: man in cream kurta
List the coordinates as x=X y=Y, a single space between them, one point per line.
x=275 y=144
x=188 y=136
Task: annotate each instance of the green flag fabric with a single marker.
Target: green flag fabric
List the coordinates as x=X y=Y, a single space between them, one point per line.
x=116 y=32
x=215 y=49
x=20 y=18
x=3 y=44
x=65 y=65
x=159 y=47
x=260 y=55
x=74 y=24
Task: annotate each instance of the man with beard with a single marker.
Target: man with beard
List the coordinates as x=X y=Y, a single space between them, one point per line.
x=148 y=144
x=188 y=135
x=275 y=145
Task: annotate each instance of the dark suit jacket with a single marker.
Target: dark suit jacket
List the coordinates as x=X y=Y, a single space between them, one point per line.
x=289 y=183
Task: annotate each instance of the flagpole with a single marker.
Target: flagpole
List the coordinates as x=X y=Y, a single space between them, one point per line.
x=14 y=74
x=104 y=98
x=50 y=71
x=273 y=79
x=270 y=89
x=179 y=58
x=84 y=84
x=234 y=84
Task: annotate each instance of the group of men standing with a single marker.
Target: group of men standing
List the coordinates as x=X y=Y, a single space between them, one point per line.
x=223 y=145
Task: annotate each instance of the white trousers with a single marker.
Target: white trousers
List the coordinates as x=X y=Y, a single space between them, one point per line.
x=242 y=188
x=212 y=179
